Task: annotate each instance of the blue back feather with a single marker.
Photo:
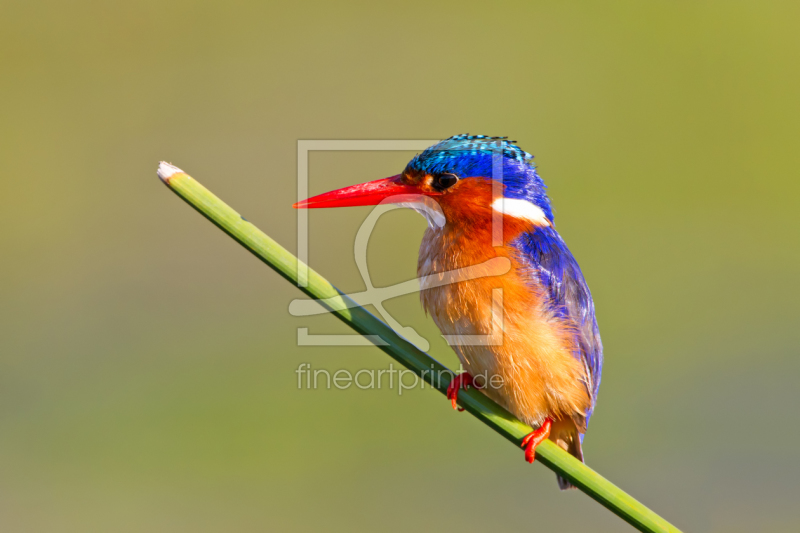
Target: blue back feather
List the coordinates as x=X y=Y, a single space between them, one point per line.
x=558 y=271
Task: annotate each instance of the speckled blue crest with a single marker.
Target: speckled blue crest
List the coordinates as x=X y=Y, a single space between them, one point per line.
x=470 y=156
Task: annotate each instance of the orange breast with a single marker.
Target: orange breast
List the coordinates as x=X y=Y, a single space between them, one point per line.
x=526 y=362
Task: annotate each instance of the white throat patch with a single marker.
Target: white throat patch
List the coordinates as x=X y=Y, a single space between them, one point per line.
x=424 y=205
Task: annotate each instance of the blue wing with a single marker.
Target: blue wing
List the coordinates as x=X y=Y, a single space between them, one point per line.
x=548 y=256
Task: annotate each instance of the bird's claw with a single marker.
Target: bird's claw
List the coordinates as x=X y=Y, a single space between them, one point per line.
x=461 y=381
x=534 y=438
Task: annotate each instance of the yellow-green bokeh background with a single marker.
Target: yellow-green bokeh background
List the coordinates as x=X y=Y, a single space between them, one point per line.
x=147 y=362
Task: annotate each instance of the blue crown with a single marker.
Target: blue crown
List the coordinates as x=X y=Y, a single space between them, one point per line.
x=470 y=156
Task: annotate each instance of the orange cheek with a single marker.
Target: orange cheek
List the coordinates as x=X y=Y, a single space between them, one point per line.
x=468 y=209
x=468 y=202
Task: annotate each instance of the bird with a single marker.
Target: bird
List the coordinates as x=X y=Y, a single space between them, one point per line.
x=549 y=359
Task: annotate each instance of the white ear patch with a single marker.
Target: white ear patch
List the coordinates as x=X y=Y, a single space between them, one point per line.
x=523 y=209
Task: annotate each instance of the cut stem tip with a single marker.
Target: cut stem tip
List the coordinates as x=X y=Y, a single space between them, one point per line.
x=166 y=171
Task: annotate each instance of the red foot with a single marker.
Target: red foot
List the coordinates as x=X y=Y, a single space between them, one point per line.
x=534 y=438
x=461 y=381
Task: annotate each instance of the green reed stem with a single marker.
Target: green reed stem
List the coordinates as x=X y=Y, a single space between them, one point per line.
x=361 y=320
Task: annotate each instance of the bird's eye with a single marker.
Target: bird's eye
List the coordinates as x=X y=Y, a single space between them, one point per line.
x=444 y=181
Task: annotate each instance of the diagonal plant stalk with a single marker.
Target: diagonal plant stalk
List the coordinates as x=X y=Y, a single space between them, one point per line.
x=433 y=372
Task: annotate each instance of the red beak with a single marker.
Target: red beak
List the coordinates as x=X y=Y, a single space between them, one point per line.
x=370 y=193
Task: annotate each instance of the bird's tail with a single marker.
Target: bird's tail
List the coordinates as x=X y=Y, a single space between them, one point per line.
x=566 y=435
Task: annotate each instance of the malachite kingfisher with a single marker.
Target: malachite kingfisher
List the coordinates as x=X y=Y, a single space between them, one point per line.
x=550 y=356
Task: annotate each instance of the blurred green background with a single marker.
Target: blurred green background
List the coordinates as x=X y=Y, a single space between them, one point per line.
x=147 y=362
